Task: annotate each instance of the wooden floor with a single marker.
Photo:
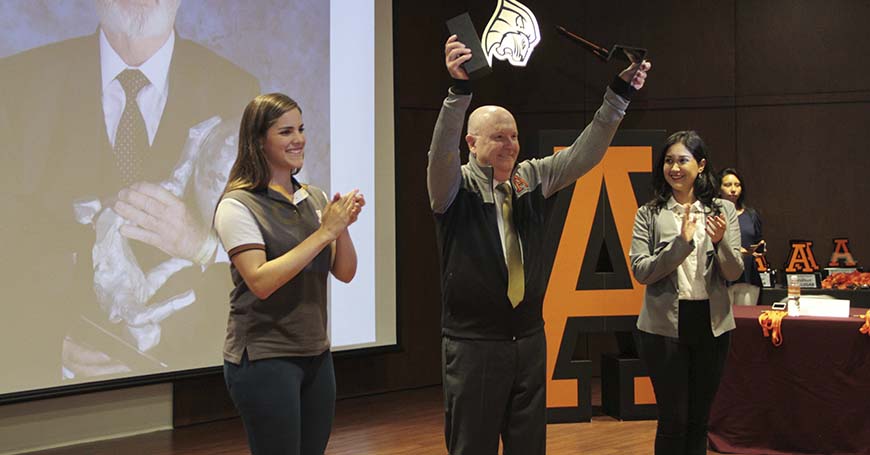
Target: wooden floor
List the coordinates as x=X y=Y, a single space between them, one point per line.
x=408 y=422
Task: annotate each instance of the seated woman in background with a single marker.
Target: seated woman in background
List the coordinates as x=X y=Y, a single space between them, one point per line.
x=745 y=290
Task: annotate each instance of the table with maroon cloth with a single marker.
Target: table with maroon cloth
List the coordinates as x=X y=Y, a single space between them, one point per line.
x=857 y=297
x=810 y=395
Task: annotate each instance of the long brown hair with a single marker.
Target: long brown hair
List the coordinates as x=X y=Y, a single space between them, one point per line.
x=251 y=170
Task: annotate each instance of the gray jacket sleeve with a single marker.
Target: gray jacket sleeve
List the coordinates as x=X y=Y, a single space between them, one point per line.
x=651 y=262
x=564 y=168
x=444 y=172
x=728 y=249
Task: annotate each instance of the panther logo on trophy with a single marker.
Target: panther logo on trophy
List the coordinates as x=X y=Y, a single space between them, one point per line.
x=511 y=34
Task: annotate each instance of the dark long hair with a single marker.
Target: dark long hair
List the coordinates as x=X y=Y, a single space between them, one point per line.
x=732 y=171
x=251 y=170
x=706 y=184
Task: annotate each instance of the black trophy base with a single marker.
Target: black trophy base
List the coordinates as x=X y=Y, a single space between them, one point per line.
x=463 y=28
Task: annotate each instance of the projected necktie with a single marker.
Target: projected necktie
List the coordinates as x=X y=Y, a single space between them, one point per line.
x=131 y=138
x=516 y=276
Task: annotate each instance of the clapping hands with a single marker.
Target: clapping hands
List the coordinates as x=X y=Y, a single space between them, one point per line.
x=716 y=228
x=715 y=225
x=341 y=212
x=687 y=231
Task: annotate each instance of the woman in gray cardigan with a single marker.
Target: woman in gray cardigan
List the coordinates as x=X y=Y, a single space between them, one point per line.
x=685 y=246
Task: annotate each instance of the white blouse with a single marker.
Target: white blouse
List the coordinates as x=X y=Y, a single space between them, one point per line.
x=690 y=274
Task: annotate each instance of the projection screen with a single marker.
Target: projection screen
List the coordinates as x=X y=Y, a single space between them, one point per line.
x=86 y=301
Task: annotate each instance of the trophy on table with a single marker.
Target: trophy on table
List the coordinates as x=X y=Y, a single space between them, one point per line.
x=802 y=265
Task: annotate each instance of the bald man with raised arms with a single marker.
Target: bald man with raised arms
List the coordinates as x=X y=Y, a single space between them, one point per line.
x=491 y=216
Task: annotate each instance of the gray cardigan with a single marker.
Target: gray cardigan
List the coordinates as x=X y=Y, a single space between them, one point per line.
x=657 y=250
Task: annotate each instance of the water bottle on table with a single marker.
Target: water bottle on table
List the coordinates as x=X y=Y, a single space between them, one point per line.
x=794 y=296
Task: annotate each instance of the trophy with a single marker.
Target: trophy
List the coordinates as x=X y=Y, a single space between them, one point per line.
x=511 y=35
x=630 y=54
x=802 y=265
x=463 y=28
x=843 y=271
x=842 y=260
x=767 y=275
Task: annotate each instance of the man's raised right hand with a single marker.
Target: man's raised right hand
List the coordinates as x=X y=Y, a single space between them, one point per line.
x=455 y=54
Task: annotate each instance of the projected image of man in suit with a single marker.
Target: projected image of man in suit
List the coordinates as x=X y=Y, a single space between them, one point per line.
x=109 y=187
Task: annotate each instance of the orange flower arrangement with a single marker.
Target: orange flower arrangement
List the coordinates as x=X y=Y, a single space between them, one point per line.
x=854 y=280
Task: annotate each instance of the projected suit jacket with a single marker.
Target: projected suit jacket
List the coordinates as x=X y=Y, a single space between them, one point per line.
x=55 y=151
